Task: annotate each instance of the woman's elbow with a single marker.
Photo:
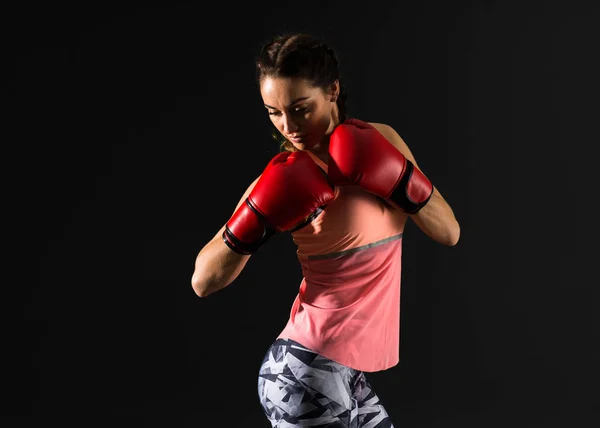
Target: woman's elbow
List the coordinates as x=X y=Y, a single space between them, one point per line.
x=200 y=284
x=453 y=235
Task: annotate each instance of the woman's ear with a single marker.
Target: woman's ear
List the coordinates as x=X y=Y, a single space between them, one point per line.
x=335 y=91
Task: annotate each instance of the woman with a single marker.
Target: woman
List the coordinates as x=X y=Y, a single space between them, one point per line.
x=344 y=188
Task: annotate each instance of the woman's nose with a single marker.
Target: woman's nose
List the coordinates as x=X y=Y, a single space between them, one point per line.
x=289 y=126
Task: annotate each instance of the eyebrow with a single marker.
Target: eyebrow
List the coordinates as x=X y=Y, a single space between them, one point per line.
x=291 y=104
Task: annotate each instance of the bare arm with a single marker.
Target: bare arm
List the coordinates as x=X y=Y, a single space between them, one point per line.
x=436 y=219
x=217 y=265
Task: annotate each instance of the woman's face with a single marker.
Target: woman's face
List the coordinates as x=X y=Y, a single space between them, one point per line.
x=301 y=113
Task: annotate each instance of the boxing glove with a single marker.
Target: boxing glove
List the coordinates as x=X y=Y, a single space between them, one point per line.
x=359 y=154
x=291 y=188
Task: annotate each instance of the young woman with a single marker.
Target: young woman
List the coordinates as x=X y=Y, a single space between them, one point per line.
x=344 y=188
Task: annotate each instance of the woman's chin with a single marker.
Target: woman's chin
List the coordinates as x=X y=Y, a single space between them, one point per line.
x=305 y=144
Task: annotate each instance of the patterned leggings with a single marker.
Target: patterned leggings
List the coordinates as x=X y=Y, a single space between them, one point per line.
x=299 y=388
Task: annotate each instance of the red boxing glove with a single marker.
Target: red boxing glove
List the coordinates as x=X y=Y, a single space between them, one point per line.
x=360 y=155
x=290 y=188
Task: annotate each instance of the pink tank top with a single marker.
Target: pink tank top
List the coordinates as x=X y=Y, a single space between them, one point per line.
x=348 y=305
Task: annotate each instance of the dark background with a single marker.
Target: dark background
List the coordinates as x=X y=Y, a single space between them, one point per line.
x=132 y=131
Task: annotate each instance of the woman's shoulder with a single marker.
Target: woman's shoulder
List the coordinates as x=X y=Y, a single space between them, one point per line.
x=380 y=126
x=384 y=128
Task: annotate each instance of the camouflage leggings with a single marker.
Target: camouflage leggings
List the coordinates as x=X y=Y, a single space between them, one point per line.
x=300 y=388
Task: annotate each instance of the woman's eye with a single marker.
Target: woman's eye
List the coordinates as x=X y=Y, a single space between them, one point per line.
x=296 y=110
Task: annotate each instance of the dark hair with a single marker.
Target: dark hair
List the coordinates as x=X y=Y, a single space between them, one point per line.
x=301 y=55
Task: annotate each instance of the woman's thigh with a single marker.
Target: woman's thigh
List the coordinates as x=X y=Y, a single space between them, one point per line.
x=298 y=387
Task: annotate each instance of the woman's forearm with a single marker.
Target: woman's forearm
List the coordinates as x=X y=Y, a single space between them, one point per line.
x=216 y=267
x=436 y=219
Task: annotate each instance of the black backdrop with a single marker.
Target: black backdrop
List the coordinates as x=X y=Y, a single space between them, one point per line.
x=138 y=128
